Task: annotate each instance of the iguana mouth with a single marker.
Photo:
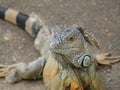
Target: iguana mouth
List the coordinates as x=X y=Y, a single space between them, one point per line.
x=63 y=50
x=67 y=48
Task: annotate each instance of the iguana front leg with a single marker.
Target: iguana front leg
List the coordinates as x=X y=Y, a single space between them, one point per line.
x=17 y=72
x=106 y=59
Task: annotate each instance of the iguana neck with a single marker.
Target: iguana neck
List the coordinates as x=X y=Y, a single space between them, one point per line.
x=76 y=59
x=71 y=60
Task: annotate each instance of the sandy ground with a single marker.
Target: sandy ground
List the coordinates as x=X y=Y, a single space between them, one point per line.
x=101 y=17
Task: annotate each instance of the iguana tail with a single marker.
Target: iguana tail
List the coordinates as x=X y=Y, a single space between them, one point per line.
x=30 y=23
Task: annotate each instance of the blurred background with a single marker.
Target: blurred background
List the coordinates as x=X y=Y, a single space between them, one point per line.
x=100 y=17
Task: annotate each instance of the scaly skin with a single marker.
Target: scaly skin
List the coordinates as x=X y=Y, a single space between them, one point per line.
x=66 y=61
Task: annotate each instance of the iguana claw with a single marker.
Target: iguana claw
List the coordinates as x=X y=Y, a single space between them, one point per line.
x=5 y=69
x=107 y=59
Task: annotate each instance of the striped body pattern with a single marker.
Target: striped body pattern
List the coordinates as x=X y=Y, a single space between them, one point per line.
x=30 y=23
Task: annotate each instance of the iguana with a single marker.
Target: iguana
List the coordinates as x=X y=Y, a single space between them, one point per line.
x=66 y=61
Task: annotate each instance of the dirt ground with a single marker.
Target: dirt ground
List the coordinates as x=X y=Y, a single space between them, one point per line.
x=101 y=17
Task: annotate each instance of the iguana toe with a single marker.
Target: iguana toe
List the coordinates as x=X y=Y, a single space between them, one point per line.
x=107 y=59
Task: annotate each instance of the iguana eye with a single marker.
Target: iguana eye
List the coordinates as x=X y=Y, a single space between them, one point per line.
x=71 y=38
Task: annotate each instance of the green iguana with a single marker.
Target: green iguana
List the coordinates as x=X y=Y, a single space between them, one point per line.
x=66 y=61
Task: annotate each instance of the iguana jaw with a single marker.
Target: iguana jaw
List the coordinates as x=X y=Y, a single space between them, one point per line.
x=66 y=50
x=81 y=60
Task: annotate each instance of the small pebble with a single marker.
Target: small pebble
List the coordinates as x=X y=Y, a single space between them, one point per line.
x=108 y=70
x=8 y=35
x=14 y=58
x=20 y=47
x=109 y=79
x=6 y=38
x=106 y=19
x=106 y=30
x=104 y=71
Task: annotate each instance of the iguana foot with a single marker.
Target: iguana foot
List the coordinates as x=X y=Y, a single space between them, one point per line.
x=5 y=70
x=107 y=59
x=19 y=71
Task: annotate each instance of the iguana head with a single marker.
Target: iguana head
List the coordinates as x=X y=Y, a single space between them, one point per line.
x=72 y=42
x=68 y=42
